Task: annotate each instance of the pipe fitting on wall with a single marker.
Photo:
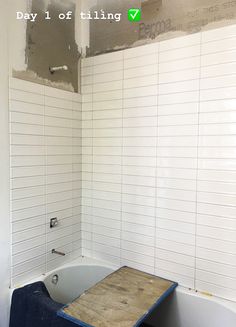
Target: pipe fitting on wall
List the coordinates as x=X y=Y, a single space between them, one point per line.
x=58 y=68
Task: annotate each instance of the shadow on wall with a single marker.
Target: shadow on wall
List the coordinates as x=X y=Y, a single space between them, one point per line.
x=51 y=42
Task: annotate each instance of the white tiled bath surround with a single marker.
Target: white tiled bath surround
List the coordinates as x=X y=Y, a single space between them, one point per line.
x=45 y=138
x=159 y=164
x=159 y=159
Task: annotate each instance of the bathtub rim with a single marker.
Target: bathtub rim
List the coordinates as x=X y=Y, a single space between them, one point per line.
x=228 y=304
x=82 y=261
x=86 y=261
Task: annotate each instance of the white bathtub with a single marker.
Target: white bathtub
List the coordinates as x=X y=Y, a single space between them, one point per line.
x=187 y=308
x=74 y=279
x=184 y=309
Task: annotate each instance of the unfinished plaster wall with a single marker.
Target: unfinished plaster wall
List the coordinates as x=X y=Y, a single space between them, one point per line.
x=161 y=19
x=44 y=43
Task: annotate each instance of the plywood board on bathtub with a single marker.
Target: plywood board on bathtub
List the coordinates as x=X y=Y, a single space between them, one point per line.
x=124 y=298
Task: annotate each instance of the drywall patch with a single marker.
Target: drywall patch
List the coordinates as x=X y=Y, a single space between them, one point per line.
x=51 y=43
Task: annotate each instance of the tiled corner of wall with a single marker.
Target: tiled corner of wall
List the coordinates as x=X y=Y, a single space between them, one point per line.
x=45 y=149
x=102 y=161
x=158 y=158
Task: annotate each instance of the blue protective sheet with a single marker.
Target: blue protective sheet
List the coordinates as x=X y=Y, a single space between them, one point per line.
x=32 y=307
x=155 y=306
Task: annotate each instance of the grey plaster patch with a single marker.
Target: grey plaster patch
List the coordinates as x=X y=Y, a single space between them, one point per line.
x=51 y=43
x=161 y=20
x=31 y=76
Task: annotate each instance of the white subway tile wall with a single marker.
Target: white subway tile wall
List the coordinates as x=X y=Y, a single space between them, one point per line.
x=216 y=188
x=152 y=154
x=178 y=107
x=139 y=157
x=158 y=164
x=46 y=152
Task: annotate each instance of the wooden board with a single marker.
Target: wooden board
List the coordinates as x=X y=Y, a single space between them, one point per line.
x=122 y=299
